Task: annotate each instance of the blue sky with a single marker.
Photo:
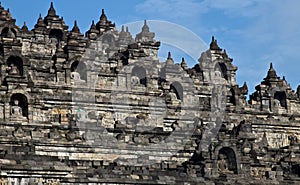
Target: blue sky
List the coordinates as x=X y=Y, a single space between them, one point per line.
x=253 y=32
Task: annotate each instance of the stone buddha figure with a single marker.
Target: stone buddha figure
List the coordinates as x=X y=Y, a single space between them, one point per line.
x=135 y=80
x=223 y=164
x=75 y=76
x=16 y=110
x=13 y=70
x=173 y=95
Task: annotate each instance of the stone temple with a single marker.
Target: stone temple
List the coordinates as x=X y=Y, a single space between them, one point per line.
x=100 y=108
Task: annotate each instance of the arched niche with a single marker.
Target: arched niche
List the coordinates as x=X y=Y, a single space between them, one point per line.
x=8 y=32
x=56 y=35
x=176 y=88
x=78 y=71
x=221 y=70
x=227 y=161
x=19 y=105
x=15 y=65
x=108 y=38
x=138 y=76
x=281 y=97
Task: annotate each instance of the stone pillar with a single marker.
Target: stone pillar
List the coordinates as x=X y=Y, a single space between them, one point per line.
x=68 y=76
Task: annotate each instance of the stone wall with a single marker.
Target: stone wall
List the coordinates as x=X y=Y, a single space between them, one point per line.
x=101 y=108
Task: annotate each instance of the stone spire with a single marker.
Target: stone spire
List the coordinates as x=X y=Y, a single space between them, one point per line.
x=214 y=44
x=125 y=37
x=123 y=34
x=40 y=22
x=74 y=36
x=145 y=27
x=24 y=28
x=145 y=35
x=170 y=59
x=169 y=55
x=244 y=89
x=53 y=21
x=225 y=54
x=51 y=11
x=104 y=24
x=92 y=33
x=272 y=73
x=103 y=17
x=62 y=20
x=183 y=64
x=74 y=39
x=75 y=28
x=8 y=14
x=93 y=26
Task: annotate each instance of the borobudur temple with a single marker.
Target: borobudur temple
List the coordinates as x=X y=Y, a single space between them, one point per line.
x=100 y=108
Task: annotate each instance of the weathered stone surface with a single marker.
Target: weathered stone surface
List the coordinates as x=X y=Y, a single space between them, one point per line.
x=102 y=109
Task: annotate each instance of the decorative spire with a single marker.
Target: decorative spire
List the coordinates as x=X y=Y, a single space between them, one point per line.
x=93 y=26
x=183 y=64
x=125 y=38
x=145 y=35
x=123 y=34
x=272 y=73
x=93 y=30
x=127 y=30
x=104 y=24
x=271 y=66
x=244 y=89
x=8 y=14
x=225 y=54
x=103 y=17
x=170 y=59
x=62 y=20
x=145 y=27
x=284 y=82
x=24 y=27
x=40 y=22
x=169 y=55
x=51 y=11
x=40 y=18
x=214 y=44
x=75 y=29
